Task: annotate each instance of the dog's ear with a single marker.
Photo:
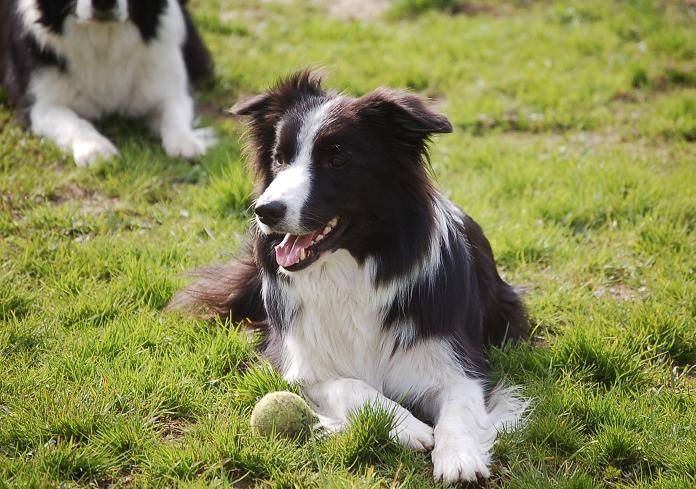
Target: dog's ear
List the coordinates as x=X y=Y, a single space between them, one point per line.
x=403 y=111
x=266 y=111
x=251 y=105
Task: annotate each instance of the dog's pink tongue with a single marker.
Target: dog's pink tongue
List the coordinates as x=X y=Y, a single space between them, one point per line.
x=288 y=251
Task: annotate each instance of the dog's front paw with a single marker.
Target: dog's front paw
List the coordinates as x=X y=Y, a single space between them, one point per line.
x=91 y=149
x=414 y=434
x=453 y=462
x=191 y=144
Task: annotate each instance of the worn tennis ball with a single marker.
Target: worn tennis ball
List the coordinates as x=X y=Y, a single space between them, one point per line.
x=282 y=414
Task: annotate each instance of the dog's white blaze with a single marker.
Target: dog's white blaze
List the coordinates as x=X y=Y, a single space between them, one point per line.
x=112 y=71
x=292 y=185
x=314 y=120
x=85 y=11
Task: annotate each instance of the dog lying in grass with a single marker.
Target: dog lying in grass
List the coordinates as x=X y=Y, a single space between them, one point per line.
x=66 y=62
x=371 y=285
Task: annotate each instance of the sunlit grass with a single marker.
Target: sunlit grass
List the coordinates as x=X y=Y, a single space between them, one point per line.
x=573 y=148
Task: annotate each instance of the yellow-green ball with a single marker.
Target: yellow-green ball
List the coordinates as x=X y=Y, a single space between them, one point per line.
x=282 y=414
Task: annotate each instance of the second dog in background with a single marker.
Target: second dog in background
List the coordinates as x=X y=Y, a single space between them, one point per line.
x=65 y=63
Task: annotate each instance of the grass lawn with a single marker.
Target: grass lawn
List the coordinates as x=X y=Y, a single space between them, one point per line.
x=574 y=148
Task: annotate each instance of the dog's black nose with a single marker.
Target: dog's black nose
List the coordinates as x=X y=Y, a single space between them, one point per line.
x=103 y=5
x=270 y=213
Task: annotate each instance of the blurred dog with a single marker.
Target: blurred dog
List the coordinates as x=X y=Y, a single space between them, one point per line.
x=373 y=287
x=65 y=62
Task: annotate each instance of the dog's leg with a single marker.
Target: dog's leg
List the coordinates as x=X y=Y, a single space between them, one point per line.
x=464 y=434
x=179 y=138
x=71 y=132
x=333 y=401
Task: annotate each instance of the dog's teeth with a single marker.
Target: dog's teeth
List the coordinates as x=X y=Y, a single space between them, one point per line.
x=302 y=254
x=333 y=222
x=326 y=230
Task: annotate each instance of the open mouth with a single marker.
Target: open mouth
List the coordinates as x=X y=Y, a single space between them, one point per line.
x=296 y=252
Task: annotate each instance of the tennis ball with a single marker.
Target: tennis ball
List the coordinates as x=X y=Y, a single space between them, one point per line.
x=284 y=414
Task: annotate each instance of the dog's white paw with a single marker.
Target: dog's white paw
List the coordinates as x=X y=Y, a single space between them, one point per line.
x=191 y=144
x=414 y=434
x=453 y=462
x=207 y=135
x=329 y=424
x=91 y=149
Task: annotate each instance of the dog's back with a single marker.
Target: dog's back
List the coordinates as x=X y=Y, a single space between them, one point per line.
x=504 y=315
x=199 y=63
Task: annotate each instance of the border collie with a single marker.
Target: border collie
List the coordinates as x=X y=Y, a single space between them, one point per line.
x=64 y=62
x=371 y=285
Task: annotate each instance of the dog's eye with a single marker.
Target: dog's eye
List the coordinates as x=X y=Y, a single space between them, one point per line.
x=278 y=160
x=337 y=162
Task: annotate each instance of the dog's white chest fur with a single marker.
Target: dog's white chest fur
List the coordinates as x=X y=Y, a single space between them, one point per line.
x=336 y=329
x=110 y=68
x=105 y=72
x=337 y=332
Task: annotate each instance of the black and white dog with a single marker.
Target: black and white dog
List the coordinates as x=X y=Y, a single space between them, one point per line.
x=373 y=286
x=64 y=62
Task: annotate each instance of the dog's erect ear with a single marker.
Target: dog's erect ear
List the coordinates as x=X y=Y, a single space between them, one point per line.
x=286 y=92
x=404 y=111
x=267 y=110
x=251 y=105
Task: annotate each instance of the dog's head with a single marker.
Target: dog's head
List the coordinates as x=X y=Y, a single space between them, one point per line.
x=336 y=171
x=53 y=13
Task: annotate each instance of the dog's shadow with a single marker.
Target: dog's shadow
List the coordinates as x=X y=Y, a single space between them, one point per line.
x=141 y=148
x=142 y=157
